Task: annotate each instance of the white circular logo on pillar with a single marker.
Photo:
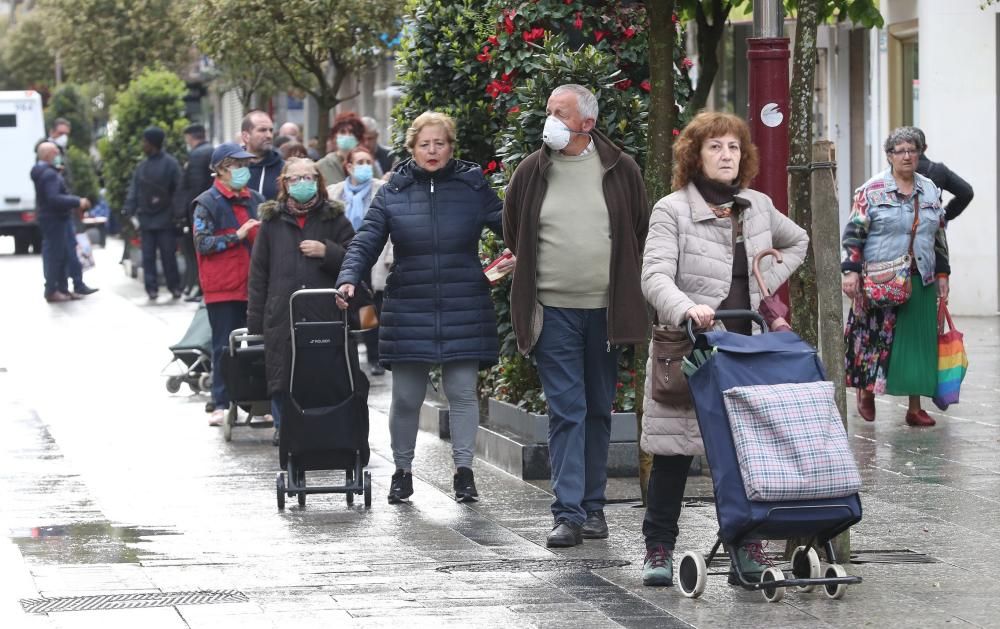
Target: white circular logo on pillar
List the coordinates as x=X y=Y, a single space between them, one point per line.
x=770 y=115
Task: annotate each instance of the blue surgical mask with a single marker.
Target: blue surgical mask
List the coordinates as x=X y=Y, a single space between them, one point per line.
x=239 y=177
x=346 y=142
x=302 y=191
x=363 y=172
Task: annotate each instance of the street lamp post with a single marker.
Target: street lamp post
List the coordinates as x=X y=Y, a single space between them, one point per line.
x=767 y=55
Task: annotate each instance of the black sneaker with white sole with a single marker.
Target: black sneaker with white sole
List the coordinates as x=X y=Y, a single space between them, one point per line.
x=401 y=486
x=465 y=485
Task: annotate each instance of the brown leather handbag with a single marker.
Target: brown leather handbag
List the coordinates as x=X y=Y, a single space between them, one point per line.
x=669 y=386
x=368 y=317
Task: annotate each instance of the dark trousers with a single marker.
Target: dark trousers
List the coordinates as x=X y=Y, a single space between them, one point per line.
x=165 y=241
x=190 y=281
x=224 y=317
x=664 y=496
x=371 y=336
x=579 y=370
x=54 y=251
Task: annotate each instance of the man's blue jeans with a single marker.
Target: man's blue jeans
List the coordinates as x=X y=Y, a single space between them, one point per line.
x=224 y=317
x=54 y=250
x=74 y=270
x=165 y=241
x=578 y=368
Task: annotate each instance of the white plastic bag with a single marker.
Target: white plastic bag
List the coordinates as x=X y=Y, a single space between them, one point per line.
x=84 y=251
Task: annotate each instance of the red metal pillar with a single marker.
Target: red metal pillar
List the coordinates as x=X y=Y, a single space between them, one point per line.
x=768 y=55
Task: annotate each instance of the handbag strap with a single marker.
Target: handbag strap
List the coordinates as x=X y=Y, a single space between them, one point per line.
x=944 y=317
x=916 y=219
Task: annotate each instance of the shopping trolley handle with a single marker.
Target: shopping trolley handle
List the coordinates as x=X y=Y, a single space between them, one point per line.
x=242 y=335
x=730 y=314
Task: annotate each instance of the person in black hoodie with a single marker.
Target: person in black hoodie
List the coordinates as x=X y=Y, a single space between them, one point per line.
x=945 y=179
x=258 y=138
x=197 y=179
x=152 y=199
x=302 y=241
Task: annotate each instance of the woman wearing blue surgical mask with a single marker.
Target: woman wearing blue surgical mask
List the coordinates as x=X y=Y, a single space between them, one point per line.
x=356 y=193
x=303 y=237
x=346 y=134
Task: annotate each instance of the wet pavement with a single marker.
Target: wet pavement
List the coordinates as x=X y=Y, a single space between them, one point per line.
x=123 y=508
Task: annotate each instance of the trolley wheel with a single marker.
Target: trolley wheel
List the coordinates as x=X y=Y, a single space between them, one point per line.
x=173 y=384
x=772 y=594
x=805 y=565
x=368 y=490
x=281 y=491
x=229 y=421
x=209 y=407
x=302 y=499
x=692 y=574
x=205 y=381
x=835 y=590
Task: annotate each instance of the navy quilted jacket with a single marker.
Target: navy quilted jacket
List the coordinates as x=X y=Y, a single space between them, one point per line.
x=437 y=305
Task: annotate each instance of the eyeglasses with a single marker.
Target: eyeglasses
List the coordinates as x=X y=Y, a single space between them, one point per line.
x=298 y=178
x=903 y=152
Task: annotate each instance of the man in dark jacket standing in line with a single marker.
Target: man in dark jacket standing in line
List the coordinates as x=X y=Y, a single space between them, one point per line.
x=152 y=200
x=258 y=136
x=197 y=179
x=945 y=179
x=576 y=215
x=55 y=205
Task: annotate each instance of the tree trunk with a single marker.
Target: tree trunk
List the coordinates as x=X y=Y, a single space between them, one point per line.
x=659 y=156
x=802 y=285
x=709 y=36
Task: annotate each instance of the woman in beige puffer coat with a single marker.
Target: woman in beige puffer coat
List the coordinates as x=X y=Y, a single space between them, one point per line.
x=698 y=255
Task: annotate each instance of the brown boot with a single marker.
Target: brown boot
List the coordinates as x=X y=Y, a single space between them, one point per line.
x=866 y=405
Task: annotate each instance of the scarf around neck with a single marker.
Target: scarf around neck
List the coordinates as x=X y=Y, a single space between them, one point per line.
x=356 y=200
x=719 y=196
x=295 y=208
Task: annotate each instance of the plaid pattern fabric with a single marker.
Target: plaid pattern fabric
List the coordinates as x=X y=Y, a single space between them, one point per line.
x=790 y=442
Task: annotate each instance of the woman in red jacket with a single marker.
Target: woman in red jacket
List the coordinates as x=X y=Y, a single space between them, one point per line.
x=225 y=225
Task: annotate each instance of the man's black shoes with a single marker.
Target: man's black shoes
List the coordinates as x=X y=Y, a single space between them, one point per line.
x=465 y=485
x=564 y=535
x=401 y=486
x=595 y=527
x=85 y=290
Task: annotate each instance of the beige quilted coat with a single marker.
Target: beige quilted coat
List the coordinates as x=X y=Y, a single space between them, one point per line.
x=688 y=260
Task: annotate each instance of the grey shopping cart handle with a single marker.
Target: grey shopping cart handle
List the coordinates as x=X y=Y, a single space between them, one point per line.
x=731 y=314
x=242 y=335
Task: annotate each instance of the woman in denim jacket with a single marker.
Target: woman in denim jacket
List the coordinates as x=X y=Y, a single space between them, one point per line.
x=894 y=350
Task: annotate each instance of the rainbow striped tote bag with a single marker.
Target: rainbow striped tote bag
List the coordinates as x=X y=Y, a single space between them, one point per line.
x=952 y=360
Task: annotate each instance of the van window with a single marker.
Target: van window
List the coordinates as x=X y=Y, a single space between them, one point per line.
x=8 y=120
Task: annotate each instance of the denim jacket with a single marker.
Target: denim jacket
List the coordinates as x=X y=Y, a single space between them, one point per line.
x=879 y=227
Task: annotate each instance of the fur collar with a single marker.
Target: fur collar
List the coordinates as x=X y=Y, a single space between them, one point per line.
x=327 y=211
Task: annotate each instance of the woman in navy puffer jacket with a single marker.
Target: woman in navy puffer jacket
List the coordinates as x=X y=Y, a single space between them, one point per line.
x=437 y=308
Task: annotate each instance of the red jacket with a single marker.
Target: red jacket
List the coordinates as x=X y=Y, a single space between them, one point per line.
x=224 y=259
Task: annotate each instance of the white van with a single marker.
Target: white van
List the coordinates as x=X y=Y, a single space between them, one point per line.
x=22 y=125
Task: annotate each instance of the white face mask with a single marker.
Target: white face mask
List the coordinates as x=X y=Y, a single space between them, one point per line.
x=61 y=141
x=556 y=134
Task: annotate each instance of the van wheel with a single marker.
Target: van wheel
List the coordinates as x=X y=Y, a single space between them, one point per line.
x=22 y=243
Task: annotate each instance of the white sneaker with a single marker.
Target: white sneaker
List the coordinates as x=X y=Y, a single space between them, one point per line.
x=217 y=418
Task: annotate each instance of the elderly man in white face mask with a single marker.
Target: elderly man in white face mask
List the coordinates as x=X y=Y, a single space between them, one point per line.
x=576 y=215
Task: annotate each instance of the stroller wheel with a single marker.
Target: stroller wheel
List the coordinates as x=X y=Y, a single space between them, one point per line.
x=772 y=594
x=368 y=490
x=805 y=565
x=205 y=381
x=173 y=384
x=281 y=491
x=692 y=574
x=227 y=425
x=835 y=591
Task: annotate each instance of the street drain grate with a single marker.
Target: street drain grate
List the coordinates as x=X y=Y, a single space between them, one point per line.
x=536 y=565
x=130 y=601
x=895 y=556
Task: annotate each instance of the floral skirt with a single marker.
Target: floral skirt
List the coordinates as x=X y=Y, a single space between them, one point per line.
x=868 y=338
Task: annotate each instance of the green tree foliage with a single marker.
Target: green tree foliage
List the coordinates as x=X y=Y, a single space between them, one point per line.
x=442 y=39
x=711 y=17
x=315 y=44
x=68 y=102
x=154 y=98
x=82 y=173
x=113 y=41
x=28 y=61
